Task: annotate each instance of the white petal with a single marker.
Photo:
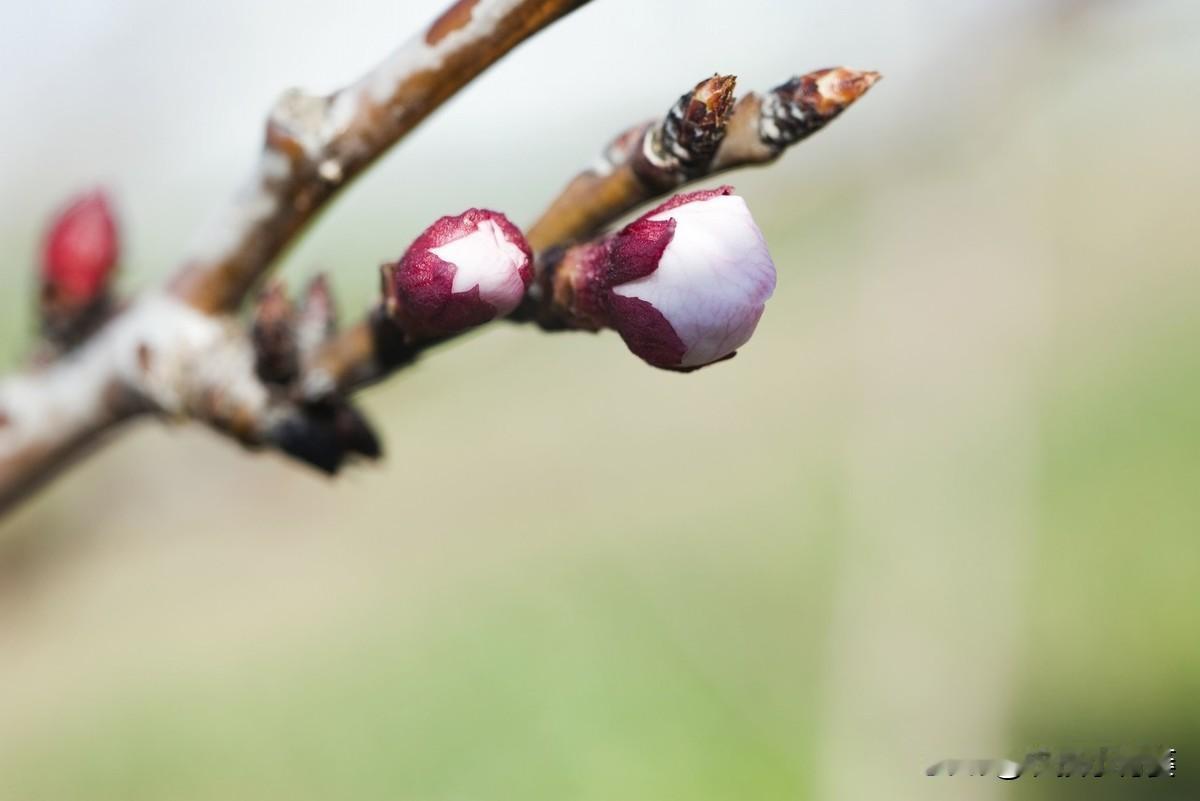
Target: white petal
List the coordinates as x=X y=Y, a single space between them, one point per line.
x=713 y=279
x=488 y=259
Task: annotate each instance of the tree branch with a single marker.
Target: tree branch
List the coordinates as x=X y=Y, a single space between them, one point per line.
x=178 y=353
x=316 y=145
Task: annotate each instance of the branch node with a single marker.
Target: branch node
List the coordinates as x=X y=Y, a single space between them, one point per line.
x=298 y=125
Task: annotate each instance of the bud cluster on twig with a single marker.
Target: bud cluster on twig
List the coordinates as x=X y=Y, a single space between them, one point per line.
x=684 y=285
x=323 y=431
x=705 y=133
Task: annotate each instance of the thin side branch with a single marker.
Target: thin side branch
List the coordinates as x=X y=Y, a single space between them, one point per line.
x=704 y=134
x=650 y=161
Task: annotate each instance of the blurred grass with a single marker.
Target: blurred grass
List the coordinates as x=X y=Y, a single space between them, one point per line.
x=1109 y=656
x=517 y=694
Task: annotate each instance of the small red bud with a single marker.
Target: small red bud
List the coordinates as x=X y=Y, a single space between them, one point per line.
x=80 y=251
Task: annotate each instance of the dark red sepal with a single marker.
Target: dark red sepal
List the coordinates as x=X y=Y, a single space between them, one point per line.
x=637 y=249
x=645 y=331
x=689 y=197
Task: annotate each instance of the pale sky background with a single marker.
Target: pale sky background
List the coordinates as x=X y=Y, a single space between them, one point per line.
x=164 y=101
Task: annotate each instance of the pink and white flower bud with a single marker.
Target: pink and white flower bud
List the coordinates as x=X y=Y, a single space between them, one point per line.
x=461 y=272
x=684 y=285
x=79 y=253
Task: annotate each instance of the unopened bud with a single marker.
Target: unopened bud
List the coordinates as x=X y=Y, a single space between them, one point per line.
x=317 y=320
x=684 y=285
x=79 y=254
x=806 y=104
x=694 y=127
x=461 y=272
x=273 y=332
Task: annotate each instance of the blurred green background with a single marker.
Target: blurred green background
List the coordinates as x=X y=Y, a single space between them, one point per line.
x=944 y=505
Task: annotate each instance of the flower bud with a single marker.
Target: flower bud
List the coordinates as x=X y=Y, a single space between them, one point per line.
x=461 y=272
x=273 y=332
x=684 y=285
x=79 y=253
